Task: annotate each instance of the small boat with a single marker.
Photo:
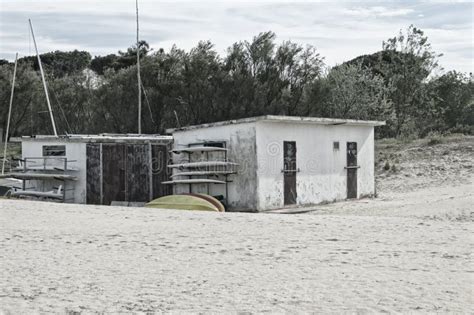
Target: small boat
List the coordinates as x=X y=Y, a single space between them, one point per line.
x=212 y=200
x=202 y=164
x=199 y=149
x=38 y=176
x=201 y=173
x=193 y=181
x=182 y=202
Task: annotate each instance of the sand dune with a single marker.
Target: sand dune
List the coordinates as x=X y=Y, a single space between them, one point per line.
x=68 y=258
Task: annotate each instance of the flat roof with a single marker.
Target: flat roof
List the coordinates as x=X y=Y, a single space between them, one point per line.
x=104 y=137
x=285 y=119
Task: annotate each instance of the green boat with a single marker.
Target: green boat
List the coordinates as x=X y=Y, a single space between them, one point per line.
x=182 y=202
x=212 y=200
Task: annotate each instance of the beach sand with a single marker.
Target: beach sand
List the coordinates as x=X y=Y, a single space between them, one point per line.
x=409 y=250
x=69 y=258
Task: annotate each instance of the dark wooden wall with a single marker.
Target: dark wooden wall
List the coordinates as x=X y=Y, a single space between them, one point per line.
x=130 y=172
x=160 y=171
x=137 y=173
x=93 y=189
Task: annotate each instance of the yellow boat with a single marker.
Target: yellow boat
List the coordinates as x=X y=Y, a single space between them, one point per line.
x=212 y=200
x=182 y=202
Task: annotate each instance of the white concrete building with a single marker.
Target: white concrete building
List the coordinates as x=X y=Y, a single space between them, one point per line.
x=281 y=161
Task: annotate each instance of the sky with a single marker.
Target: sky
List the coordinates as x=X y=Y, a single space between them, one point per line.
x=339 y=30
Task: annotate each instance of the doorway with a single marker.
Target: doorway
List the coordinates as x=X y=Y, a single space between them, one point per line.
x=352 y=170
x=289 y=172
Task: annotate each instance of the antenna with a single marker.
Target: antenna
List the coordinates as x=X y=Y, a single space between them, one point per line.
x=44 y=81
x=138 y=77
x=177 y=119
x=9 y=116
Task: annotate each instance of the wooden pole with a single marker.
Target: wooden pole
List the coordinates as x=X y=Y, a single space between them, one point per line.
x=44 y=81
x=9 y=116
x=138 y=77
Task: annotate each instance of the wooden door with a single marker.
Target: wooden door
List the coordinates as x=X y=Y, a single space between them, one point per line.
x=137 y=173
x=289 y=172
x=160 y=171
x=351 y=170
x=113 y=172
x=93 y=174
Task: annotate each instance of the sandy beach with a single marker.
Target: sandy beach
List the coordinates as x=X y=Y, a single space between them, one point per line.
x=409 y=250
x=66 y=258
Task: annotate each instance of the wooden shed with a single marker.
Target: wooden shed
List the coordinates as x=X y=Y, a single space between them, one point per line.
x=95 y=169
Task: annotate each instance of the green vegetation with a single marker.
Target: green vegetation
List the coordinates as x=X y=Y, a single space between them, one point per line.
x=91 y=95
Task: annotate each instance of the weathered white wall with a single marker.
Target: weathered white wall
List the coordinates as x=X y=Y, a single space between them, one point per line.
x=240 y=140
x=322 y=177
x=74 y=151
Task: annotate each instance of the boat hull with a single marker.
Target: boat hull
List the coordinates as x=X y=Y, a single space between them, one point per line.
x=182 y=202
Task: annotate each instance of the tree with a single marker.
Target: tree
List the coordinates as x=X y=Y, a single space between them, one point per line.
x=256 y=77
x=122 y=60
x=412 y=61
x=60 y=63
x=356 y=93
x=453 y=97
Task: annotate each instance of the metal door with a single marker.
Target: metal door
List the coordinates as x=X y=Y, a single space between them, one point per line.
x=289 y=172
x=351 y=170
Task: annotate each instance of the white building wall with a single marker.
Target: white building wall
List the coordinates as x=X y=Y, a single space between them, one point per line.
x=74 y=151
x=322 y=176
x=240 y=140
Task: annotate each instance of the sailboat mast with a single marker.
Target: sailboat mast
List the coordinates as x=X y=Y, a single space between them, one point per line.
x=9 y=116
x=44 y=81
x=138 y=77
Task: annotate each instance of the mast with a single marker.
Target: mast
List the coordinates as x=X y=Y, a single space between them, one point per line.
x=44 y=81
x=138 y=77
x=9 y=116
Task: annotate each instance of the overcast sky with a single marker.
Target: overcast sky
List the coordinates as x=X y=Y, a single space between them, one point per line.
x=339 y=30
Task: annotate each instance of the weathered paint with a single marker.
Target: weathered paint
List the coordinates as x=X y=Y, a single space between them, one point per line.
x=76 y=152
x=257 y=145
x=240 y=140
x=322 y=176
x=112 y=176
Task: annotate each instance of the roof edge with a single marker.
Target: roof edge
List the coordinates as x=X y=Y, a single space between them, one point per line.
x=288 y=119
x=105 y=137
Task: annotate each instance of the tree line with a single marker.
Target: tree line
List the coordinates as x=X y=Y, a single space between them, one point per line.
x=399 y=84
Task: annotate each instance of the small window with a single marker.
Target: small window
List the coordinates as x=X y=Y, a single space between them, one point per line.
x=54 y=150
x=335 y=145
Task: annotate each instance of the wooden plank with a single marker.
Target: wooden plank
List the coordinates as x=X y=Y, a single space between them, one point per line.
x=93 y=180
x=160 y=172
x=113 y=170
x=101 y=175
x=150 y=173
x=137 y=172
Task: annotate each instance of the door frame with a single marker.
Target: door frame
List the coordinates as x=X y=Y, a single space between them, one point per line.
x=290 y=194
x=351 y=167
